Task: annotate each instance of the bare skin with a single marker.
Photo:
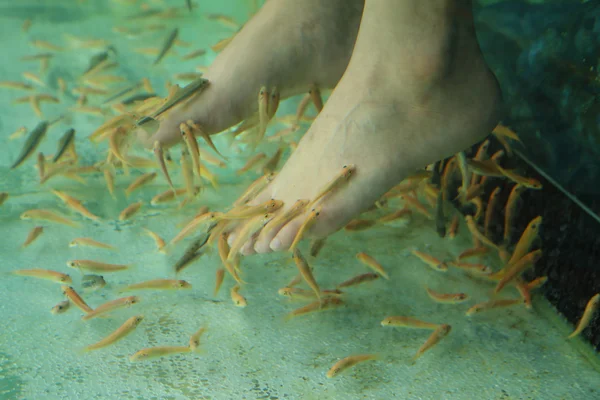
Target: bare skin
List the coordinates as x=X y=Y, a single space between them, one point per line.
x=416 y=90
x=289 y=44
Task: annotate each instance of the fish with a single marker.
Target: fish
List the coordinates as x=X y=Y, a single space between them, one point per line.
x=316 y=245
x=160 y=243
x=191 y=254
x=35 y=138
x=15 y=85
x=156 y=352
x=197 y=128
x=188 y=173
x=192 y=146
x=315 y=96
x=271 y=164
x=111 y=306
x=61 y=307
x=309 y=221
x=91 y=283
x=50 y=216
x=492 y=304
x=395 y=216
x=513 y=270
x=224 y=20
x=18 y=133
x=33 y=235
x=372 y=263
x=139 y=182
x=273 y=103
x=158 y=284
x=167 y=45
x=89 y=242
x=3 y=197
x=198 y=222
x=237 y=298
x=357 y=280
x=476 y=233
x=326 y=303
x=489 y=211
x=251 y=163
x=110 y=183
x=484 y=168
x=76 y=299
x=349 y=362
x=251 y=228
x=244 y=212
x=254 y=188
x=529 y=183
x=67 y=139
x=302 y=106
x=526 y=240
x=441 y=332
x=294 y=293
x=167 y=196
x=122 y=331
x=41 y=165
x=588 y=313
x=340 y=179
x=130 y=211
x=75 y=205
x=510 y=210
x=188 y=90
x=159 y=155
x=219 y=277
x=440 y=219
x=431 y=261
x=224 y=251
x=195 y=338
x=283 y=218
x=461 y=159
x=448 y=298
x=473 y=252
x=501 y=130
x=194 y=54
x=477 y=269
x=49 y=275
x=306 y=272
x=408 y=322
x=96 y=266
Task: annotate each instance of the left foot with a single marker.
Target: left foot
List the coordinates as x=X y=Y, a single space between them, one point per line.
x=409 y=97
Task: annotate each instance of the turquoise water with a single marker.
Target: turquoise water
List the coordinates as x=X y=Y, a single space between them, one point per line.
x=251 y=352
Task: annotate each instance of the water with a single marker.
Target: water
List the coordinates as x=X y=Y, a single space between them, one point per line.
x=251 y=352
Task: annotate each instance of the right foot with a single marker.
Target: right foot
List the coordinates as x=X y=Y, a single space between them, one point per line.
x=288 y=44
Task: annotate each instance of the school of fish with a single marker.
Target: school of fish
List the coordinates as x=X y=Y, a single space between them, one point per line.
x=475 y=186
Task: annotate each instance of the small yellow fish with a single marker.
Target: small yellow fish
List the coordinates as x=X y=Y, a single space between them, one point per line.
x=478 y=269
x=158 y=284
x=271 y=164
x=74 y=297
x=372 y=263
x=195 y=338
x=139 y=182
x=85 y=241
x=46 y=274
x=340 y=179
x=156 y=352
x=255 y=187
x=316 y=246
x=489 y=211
x=408 y=322
x=359 y=224
x=237 y=298
x=448 y=298
x=251 y=163
x=111 y=306
x=476 y=233
x=283 y=218
x=441 y=332
x=33 y=235
x=315 y=96
x=473 y=252
x=512 y=271
x=243 y=212
x=130 y=211
x=526 y=240
x=192 y=146
x=349 y=362
x=124 y=330
x=91 y=283
x=76 y=205
x=431 y=261
x=301 y=294
x=326 y=303
x=61 y=307
x=219 y=277
x=96 y=266
x=310 y=220
x=510 y=210
x=357 y=280
x=3 y=197
x=306 y=272
x=160 y=243
x=492 y=304
x=588 y=313
x=251 y=228
x=194 y=54
x=167 y=196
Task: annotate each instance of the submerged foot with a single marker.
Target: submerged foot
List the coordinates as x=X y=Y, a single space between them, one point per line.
x=288 y=44
x=416 y=90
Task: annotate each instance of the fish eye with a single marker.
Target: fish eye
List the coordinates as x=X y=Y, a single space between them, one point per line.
x=72 y=264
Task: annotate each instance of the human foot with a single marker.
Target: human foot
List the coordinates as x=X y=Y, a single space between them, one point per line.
x=416 y=90
x=288 y=44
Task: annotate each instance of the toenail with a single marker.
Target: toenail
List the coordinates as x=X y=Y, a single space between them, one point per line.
x=275 y=244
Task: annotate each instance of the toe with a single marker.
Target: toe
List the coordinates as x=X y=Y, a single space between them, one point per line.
x=263 y=241
x=286 y=235
x=248 y=248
